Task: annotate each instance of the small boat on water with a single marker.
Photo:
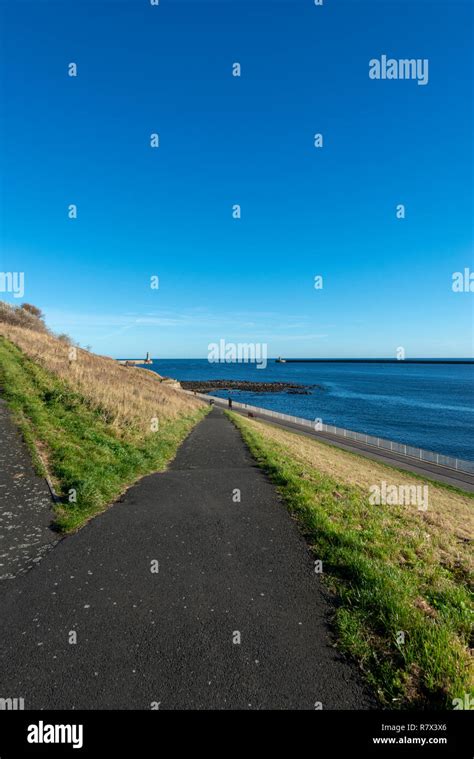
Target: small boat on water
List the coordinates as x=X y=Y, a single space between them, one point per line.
x=280 y=360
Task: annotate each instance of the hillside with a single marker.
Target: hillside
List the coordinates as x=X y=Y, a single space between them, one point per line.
x=93 y=425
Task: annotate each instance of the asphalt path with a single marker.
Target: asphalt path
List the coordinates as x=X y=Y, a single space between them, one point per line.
x=195 y=591
x=426 y=469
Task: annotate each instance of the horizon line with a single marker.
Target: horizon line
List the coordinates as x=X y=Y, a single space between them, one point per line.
x=455 y=360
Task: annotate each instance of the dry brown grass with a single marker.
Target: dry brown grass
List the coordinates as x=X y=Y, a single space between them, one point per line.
x=128 y=397
x=394 y=567
x=24 y=315
x=448 y=521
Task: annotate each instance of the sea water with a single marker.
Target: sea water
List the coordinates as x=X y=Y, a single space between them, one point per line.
x=426 y=405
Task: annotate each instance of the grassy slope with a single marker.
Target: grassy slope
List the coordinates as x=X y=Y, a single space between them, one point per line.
x=84 y=452
x=393 y=568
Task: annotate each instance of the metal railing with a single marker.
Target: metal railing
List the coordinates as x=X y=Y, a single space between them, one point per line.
x=410 y=451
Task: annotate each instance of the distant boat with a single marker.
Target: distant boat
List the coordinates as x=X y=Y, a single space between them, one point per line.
x=280 y=360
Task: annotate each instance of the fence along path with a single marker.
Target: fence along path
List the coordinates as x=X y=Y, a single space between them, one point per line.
x=408 y=451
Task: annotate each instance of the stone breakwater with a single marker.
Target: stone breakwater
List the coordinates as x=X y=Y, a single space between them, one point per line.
x=208 y=386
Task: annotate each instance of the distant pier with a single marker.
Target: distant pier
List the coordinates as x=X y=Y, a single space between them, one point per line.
x=135 y=361
x=374 y=361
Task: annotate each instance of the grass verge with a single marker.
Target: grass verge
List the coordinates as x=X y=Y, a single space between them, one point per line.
x=404 y=603
x=87 y=457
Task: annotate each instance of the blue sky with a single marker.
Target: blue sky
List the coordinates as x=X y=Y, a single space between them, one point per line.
x=247 y=140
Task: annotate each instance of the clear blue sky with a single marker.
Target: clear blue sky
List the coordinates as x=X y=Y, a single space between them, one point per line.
x=247 y=140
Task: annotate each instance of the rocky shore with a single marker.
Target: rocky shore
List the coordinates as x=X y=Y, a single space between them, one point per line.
x=208 y=386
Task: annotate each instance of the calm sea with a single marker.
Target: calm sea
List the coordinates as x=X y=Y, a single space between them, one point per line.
x=426 y=405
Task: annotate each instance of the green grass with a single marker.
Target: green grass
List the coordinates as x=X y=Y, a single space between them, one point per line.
x=84 y=453
x=379 y=568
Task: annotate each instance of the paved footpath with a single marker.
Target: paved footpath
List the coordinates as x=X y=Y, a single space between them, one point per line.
x=426 y=469
x=227 y=570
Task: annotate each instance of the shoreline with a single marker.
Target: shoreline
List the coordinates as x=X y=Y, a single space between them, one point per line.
x=347 y=438
x=207 y=386
x=369 y=398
